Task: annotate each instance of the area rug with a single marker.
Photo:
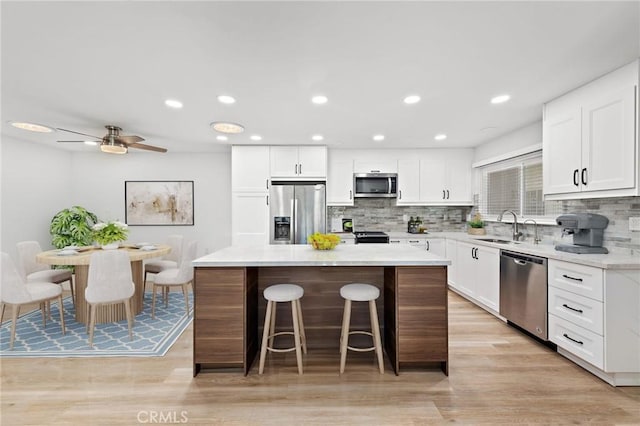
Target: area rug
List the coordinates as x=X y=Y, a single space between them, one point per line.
x=151 y=337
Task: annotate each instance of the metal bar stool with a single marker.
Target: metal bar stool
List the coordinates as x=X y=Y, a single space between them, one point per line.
x=358 y=292
x=283 y=293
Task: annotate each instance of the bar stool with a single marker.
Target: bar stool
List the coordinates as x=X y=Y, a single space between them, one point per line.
x=358 y=292
x=283 y=293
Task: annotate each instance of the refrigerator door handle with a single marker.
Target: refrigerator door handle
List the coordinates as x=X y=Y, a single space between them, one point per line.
x=295 y=220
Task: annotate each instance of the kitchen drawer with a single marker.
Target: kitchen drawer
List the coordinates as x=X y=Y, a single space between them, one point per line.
x=580 y=310
x=577 y=340
x=584 y=280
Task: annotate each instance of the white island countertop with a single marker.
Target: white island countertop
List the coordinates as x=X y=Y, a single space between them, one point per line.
x=305 y=255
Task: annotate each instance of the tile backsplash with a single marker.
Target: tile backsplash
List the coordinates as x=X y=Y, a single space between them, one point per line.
x=381 y=214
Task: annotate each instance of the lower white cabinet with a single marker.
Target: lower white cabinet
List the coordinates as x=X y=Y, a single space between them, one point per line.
x=433 y=245
x=249 y=224
x=477 y=274
x=452 y=255
x=594 y=318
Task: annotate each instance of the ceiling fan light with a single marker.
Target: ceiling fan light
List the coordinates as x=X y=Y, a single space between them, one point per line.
x=113 y=148
x=227 y=127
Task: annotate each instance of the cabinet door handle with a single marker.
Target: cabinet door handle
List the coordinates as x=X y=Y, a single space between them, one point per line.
x=573 y=340
x=394 y=241
x=583 y=176
x=375 y=171
x=575 y=177
x=443 y=194
x=267 y=183
x=573 y=309
x=571 y=278
x=267 y=200
x=400 y=195
x=351 y=194
x=447 y=194
x=427 y=245
x=295 y=169
x=300 y=168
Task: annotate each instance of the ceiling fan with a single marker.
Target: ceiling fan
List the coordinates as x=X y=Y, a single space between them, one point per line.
x=114 y=143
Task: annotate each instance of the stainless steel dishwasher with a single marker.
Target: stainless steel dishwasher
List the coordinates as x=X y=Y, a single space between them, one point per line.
x=523 y=291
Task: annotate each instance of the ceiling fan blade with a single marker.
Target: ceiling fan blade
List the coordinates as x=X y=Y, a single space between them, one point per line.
x=147 y=147
x=128 y=140
x=70 y=141
x=78 y=133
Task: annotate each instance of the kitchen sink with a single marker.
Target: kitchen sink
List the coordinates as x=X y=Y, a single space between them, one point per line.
x=498 y=241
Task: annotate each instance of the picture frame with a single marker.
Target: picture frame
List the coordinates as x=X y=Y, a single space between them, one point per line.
x=159 y=203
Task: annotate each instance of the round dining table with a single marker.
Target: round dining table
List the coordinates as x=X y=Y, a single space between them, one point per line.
x=80 y=262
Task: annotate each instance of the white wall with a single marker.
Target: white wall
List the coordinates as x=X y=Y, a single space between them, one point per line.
x=518 y=139
x=36 y=184
x=50 y=180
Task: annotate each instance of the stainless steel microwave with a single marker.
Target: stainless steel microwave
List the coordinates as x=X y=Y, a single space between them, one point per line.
x=375 y=185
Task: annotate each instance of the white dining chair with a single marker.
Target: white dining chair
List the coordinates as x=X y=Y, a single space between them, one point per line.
x=16 y=293
x=109 y=282
x=176 y=277
x=170 y=261
x=38 y=272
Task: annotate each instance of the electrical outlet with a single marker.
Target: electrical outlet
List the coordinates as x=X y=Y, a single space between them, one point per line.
x=634 y=224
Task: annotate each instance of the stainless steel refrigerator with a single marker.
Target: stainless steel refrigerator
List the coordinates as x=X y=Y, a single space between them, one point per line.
x=297 y=210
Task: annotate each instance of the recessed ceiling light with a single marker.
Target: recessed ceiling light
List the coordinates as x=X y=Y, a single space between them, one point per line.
x=319 y=99
x=378 y=138
x=93 y=143
x=500 y=99
x=440 y=137
x=222 y=138
x=32 y=127
x=226 y=99
x=412 y=99
x=173 y=103
x=317 y=137
x=226 y=127
x=255 y=137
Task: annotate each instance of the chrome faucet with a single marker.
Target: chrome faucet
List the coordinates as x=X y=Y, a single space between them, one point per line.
x=516 y=234
x=536 y=240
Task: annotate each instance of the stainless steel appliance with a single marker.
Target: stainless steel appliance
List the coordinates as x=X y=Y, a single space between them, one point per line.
x=523 y=291
x=375 y=185
x=371 y=237
x=297 y=209
x=587 y=230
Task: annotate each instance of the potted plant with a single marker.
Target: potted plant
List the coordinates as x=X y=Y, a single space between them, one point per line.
x=72 y=227
x=110 y=234
x=476 y=225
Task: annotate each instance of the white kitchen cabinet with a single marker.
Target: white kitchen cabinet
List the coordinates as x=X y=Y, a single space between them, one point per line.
x=452 y=255
x=408 y=182
x=249 y=223
x=589 y=143
x=432 y=245
x=298 y=162
x=446 y=178
x=340 y=181
x=250 y=168
x=594 y=319
x=478 y=274
x=382 y=165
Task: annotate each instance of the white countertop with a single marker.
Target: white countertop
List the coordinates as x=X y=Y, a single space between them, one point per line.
x=605 y=261
x=305 y=255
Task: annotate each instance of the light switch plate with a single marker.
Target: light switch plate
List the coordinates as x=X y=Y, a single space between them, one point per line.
x=634 y=224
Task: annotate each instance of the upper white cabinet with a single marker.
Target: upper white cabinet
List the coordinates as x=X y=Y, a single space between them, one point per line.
x=340 y=181
x=408 y=181
x=590 y=148
x=379 y=165
x=249 y=168
x=446 y=177
x=298 y=162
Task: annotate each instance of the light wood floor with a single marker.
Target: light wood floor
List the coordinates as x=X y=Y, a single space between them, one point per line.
x=497 y=376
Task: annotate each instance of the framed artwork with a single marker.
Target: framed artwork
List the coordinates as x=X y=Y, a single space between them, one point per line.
x=158 y=202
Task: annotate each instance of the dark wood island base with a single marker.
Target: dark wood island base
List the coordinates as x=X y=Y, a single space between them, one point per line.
x=229 y=310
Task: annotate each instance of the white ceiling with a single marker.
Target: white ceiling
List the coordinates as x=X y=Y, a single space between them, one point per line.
x=81 y=65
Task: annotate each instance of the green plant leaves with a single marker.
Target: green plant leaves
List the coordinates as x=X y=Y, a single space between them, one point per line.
x=72 y=226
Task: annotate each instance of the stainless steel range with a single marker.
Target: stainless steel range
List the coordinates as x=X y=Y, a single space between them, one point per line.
x=371 y=237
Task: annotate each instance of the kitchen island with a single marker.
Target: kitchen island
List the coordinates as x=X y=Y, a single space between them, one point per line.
x=229 y=307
